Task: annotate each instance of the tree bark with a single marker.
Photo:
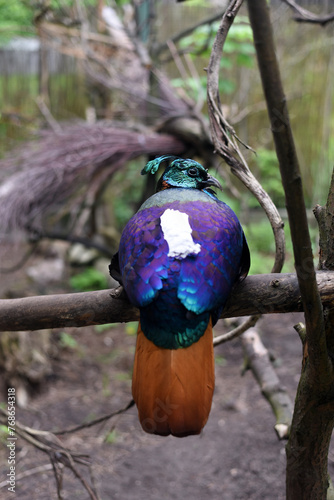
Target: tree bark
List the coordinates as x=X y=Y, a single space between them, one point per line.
x=257 y=294
x=313 y=418
x=258 y=360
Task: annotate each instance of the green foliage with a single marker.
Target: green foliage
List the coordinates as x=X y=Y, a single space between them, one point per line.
x=106 y=385
x=261 y=263
x=269 y=175
x=106 y=327
x=238 y=46
x=18 y=15
x=67 y=341
x=60 y=4
x=15 y=14
x=261 y=244
x=123 y=376
x=67 y=95
x=220 y=360
x=260 y=236
x=19 y=110
x=3 y=434
x=111 y=437
x=239 y=40
x=131 y=328
x=127 y=185
x=88 y=280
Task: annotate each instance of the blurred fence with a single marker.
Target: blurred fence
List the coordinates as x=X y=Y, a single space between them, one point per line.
x=22 y=56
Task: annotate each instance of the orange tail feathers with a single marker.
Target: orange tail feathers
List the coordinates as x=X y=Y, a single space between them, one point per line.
x=173 y=388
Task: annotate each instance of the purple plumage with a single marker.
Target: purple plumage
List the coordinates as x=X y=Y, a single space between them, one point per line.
x=178 y=259
x=196 y=270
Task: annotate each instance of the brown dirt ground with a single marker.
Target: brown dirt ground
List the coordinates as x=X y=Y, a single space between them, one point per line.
x=237 y=457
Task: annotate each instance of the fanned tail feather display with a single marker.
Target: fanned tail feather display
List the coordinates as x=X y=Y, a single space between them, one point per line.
x=173 y=388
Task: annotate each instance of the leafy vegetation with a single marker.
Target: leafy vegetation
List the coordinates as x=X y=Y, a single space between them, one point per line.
x=16 y=17
x=112 y=437
x=125 y=192
x=266 y=168
x=67 y=341
x=238 y=46
x=88 y=280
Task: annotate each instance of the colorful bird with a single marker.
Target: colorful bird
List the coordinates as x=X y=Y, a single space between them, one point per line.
x=178 y=259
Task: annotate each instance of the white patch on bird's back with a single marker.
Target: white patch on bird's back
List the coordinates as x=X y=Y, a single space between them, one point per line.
x=177 y=232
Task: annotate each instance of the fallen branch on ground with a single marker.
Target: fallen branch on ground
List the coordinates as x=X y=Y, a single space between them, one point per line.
x=258 y=360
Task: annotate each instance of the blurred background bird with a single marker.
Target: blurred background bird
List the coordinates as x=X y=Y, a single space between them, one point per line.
x=178 y=260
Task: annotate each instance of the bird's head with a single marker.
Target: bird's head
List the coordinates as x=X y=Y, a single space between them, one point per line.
x=181 y=173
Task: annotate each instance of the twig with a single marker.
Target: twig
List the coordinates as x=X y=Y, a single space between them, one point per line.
x=226 y=143
x=96 y=420
x=180 y=67
x=48 y=116
x=54 y=235
x=28 y=473
x=236 y=332
x=52 y=446
x=305 y=16
x=182 y=34
x=193 y=71
x=59 y=456
x=18 y=265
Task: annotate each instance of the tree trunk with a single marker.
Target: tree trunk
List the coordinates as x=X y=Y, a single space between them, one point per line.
x=313 y=418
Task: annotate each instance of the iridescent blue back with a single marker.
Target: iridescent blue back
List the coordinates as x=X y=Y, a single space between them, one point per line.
x=176 y=296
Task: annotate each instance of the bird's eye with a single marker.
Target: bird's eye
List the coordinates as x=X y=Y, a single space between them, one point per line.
x=193 y=172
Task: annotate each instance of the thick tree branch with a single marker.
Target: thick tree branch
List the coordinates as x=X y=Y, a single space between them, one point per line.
x=313 y=421
x=258 y=294
x=290 y=173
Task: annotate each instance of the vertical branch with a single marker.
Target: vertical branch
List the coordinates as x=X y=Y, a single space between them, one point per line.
x=226 y=142
x=290 y=173
x=313 y=418
x=325 y=219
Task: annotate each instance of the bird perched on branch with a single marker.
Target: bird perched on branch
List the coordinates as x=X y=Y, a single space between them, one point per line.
x=178 y=259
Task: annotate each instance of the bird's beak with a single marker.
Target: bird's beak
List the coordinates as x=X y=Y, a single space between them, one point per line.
x=212 y=181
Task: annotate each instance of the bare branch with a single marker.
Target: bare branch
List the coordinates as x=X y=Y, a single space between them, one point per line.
x=58 y=454
x=312 y=423
x=47 y=115
x=27 y=473
x=237 y=331
x=182 y=34
x=258 y=360
x=258 y=294
x=226 y=142
x=305 y=16
x=290 y=173
x=96 y=421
